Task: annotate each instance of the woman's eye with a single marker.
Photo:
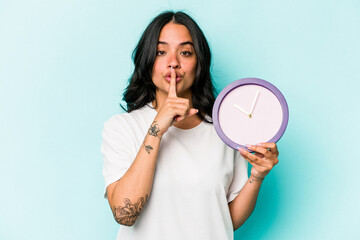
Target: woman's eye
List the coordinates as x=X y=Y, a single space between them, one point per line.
x=159 y=53
x=186 y=53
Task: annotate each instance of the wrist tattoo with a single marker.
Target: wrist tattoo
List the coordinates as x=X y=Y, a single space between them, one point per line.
x=154 y=130
x=148 y=148
x=127 y=215
x=253 y=179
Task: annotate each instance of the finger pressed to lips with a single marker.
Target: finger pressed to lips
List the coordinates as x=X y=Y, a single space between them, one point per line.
x=172 y=88
x=168 y=79
x=173 y=74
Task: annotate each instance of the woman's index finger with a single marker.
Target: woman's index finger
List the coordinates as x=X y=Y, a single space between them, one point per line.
x=271 y=146
x=172 y=89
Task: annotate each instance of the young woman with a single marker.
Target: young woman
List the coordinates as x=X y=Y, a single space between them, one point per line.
x=167 y=173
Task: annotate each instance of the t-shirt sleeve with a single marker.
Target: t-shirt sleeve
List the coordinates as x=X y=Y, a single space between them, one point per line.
x=240 y=176
x=116 y=151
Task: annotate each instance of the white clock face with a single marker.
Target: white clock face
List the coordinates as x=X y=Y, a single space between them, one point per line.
x=250 y=114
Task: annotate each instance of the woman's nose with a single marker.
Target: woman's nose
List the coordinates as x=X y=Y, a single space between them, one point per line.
x=174 y=62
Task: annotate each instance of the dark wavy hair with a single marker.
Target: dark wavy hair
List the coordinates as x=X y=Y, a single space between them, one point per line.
x=141 y=89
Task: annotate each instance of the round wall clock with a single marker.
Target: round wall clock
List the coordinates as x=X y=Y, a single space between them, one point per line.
x=250 y=111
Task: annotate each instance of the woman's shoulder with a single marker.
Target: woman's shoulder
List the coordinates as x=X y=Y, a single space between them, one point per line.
x=125 y=118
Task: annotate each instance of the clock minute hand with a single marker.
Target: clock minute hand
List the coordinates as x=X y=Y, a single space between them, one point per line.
x=253 y=105
x=242 y=110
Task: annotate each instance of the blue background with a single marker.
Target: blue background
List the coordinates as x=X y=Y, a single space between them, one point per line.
x=64 y=65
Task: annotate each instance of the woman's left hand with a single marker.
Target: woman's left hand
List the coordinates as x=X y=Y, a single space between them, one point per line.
x=264 y=159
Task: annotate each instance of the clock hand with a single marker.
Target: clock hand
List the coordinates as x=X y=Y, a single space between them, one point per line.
x=247 y=114
x=253 y=105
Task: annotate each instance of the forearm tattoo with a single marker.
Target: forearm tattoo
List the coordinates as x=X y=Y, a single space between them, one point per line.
x=127 y=215
x=148 y=148
x=154 y=130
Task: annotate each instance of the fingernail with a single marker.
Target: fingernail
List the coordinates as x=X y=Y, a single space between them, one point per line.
x=249 y=146
x=258 y=144
x=241 y=149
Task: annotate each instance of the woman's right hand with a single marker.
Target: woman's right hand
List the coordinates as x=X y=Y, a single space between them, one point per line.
x=174 y=108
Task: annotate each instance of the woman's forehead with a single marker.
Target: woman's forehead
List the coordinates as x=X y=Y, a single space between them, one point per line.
x=173 y=33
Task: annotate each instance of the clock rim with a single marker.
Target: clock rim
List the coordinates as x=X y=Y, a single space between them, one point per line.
x=252 y=81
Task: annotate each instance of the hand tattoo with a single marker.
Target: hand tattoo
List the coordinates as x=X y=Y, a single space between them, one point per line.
x=128 y=214
x=154 y=129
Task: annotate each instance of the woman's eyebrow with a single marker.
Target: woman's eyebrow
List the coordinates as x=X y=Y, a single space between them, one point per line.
x=182 y=44
x=188 y=42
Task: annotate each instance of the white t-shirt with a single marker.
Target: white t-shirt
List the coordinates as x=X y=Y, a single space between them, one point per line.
x=196 y=176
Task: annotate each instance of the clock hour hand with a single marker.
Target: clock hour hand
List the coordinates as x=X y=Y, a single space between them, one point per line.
x=242 y=110
x=253 y=105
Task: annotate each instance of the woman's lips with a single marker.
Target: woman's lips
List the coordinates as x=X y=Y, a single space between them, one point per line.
x=168 y=78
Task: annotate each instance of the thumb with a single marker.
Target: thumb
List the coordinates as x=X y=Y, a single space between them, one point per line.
x=192 y=111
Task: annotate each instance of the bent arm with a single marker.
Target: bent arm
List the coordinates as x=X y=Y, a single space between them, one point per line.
x=262 y=161
x=244 y=203
x=129 y=194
